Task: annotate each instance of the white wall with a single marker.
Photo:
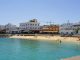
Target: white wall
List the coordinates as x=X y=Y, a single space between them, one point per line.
x=2 y=27
x=9 y=28
x=79 y=32
x=30 y=26
x=66 y=29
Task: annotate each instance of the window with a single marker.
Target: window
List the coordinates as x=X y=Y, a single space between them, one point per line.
x=38 y=24
x=30 y=27
x=30 y=24
x=35 y=27
x=35 y=24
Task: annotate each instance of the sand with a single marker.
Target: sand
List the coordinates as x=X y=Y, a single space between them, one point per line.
x=50 y=38
x=72 y=58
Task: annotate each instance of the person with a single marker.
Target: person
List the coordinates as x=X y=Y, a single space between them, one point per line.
x=60 y=41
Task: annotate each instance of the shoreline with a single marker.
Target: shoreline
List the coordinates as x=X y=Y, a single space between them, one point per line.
x=49 y=38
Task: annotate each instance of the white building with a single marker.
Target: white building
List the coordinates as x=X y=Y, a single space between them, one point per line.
x=77 y=27
x=11 y=28
x=2 y=27
x=67 y=28
x=30 y=25
x=70 y=28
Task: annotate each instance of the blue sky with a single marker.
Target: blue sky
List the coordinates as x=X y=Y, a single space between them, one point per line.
x=57 y=11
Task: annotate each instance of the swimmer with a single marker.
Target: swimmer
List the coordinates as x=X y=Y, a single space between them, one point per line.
x=60 y=41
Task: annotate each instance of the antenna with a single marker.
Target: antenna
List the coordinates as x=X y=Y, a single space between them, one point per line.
x=53 y=22
x=50 y=23
x=68 y=21
x=47 y=23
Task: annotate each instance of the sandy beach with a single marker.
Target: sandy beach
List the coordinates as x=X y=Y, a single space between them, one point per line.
x=49 y=38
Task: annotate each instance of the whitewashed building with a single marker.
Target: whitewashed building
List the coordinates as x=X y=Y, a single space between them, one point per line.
x=77 y=28
x=70 y=28
x=10 y=28
x=30 y=25
x=2 y=27
x=67 y=28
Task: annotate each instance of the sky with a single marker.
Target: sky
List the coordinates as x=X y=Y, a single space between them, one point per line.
x=55 y=11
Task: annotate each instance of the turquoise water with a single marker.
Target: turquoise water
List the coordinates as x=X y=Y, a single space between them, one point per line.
x=20 y=49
